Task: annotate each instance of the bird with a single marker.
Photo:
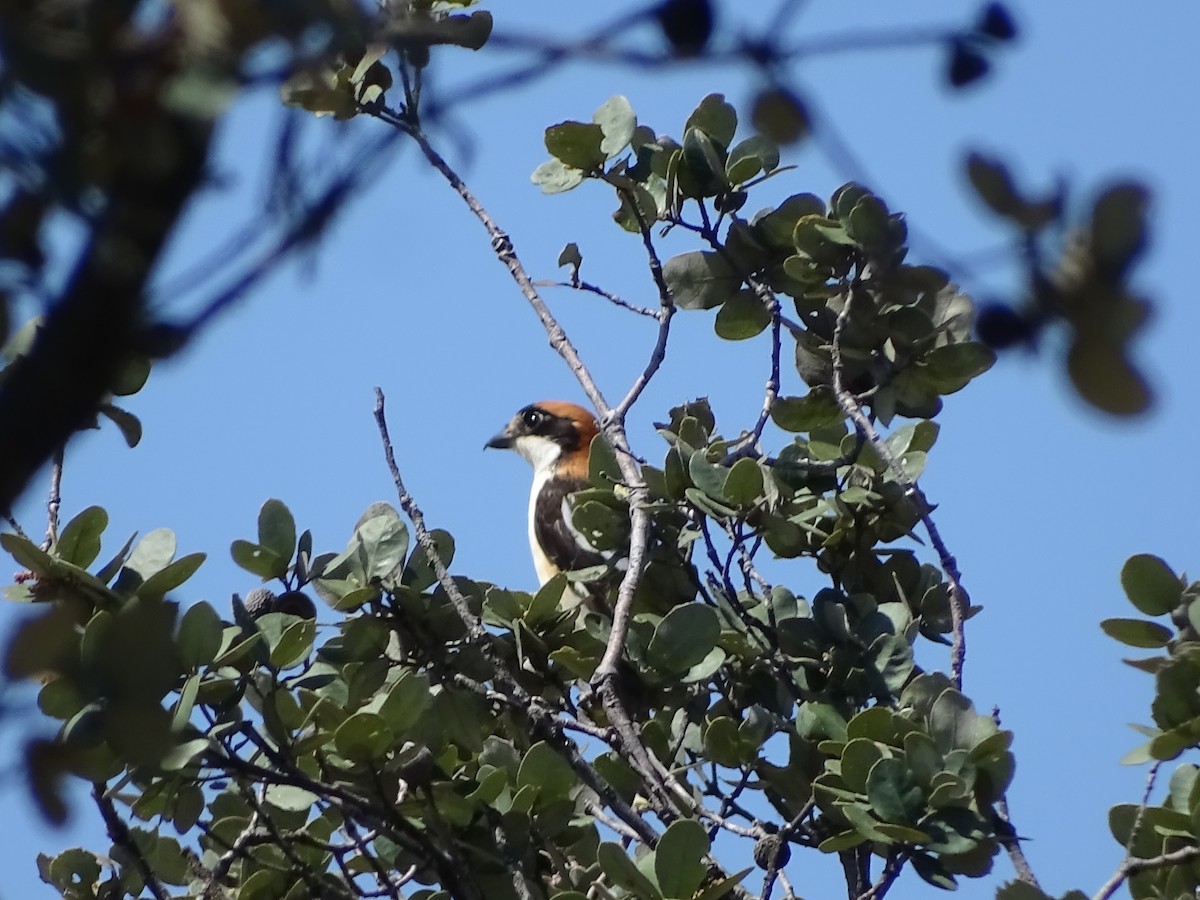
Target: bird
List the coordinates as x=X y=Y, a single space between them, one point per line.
x=555 y=437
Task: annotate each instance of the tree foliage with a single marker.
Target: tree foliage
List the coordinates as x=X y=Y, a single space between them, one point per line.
x=456 y=738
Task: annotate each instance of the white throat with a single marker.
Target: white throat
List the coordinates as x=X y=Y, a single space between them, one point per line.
x=541 y=453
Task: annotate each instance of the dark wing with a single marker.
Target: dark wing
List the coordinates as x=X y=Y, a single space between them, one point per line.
x=552 y=531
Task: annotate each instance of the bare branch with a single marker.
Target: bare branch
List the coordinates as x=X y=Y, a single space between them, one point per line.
x=54 y=501
x=587 y=287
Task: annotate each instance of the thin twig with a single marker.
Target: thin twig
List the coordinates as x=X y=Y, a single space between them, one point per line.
x=588 y=287
x=771 y=394
x=959 y=600
x=1151 y=777
x=118 y=833
x=1134 y=865
x=891 y=871
x=666 y=311
x=54 y=501
x=237 y=848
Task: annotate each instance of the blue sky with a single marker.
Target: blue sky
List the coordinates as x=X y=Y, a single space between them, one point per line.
x=1040 y=498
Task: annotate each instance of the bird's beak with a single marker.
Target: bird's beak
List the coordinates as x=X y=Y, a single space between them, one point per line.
x=502 y=441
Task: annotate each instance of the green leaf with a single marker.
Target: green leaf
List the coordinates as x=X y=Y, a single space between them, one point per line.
x=604 y=527
x=545 y=768
x=716 y=118
x=1138 y=632
x=289 y=798
x=199 y=638
x=708 y=477
x=846 y=840
x=419 y=573
x=706 y=668
x=405 y=701
x=859 y=756
x=289 y=641
x=617 y=121
x=954 y=724
x=741 y=317
x=778 y=226
x=132 y=376
x=153 y=553
x=868 y=222
x=621 y=871
x=79 y=540
x=385 y=540
x=27 y=554
x=127 y=423
x=113 y=566
x=815 y=410
x=893 y=792
x=577 y=144
x=1150 y=585
x=722 y=743
x=323 y=92
x=182 y=755
x=951 y=368
x=750 y=157
x=603 y=468
x=1021 y=890
x=683 y=638
x=363 y=737
x=700 y=279
x=744 y=485
x=258 y=560
x=722 y=887
x=555 y=177
x=679 y=862
x=277 y=529
x=171 y=576
x=701 y=171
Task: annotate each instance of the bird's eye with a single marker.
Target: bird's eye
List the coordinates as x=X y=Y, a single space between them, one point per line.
x=533 y=418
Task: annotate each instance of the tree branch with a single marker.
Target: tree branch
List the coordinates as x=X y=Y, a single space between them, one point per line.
x=1133 y=865
x=118 y=833
x=54 y=501
x=959 y=600
x=578 y=284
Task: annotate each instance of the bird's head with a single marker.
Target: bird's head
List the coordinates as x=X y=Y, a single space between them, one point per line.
x=552 y=435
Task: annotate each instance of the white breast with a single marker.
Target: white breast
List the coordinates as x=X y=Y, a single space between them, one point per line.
x=545 y=571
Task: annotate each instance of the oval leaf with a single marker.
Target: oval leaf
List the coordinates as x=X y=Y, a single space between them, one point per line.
x=1151 y=585
x=700 y=279
x=683 y=638
x=1138 y=632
